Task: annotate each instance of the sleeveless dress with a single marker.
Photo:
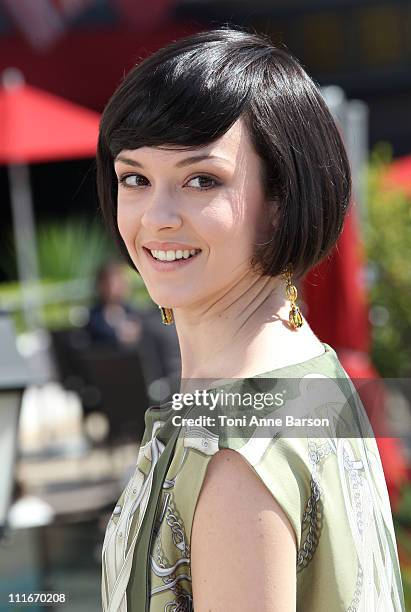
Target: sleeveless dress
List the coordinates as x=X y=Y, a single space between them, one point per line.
x=331 y=487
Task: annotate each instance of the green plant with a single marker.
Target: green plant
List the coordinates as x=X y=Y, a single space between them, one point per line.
x=387 y=236
x=69 y=254
x=71 y=249
x=388 y=247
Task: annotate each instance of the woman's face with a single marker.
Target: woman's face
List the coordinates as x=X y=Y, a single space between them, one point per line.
x=214 y=204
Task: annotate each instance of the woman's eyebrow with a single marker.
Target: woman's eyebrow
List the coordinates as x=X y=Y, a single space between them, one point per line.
x=183 y=162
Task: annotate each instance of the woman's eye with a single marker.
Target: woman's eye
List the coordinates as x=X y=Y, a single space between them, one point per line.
x=207 y=179
x=131 y=180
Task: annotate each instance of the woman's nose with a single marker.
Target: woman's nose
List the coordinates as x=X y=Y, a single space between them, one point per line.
x=161 y=210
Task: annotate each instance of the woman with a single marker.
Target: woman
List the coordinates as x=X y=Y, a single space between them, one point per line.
x=224 y=179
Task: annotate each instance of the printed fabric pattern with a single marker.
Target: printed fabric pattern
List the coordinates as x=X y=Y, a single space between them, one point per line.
x=332 y=490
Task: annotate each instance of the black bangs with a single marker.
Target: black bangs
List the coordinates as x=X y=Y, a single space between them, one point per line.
x=187 y=100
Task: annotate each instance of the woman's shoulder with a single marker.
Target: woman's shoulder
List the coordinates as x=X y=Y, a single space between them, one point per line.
x=247 y=531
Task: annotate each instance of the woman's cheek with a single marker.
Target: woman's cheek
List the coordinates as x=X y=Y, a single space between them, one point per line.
x=125 y=219
x=218 y=222
x=128 y=228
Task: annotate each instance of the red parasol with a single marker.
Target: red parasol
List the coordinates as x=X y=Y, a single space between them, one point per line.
x=335 y=293
x=36 y=126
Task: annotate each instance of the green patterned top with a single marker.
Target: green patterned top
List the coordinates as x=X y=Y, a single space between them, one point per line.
x=332 y=488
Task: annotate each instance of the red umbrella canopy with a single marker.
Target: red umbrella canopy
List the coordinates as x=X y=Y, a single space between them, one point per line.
x=336 y=294
x=36 y=126
x=399 y=174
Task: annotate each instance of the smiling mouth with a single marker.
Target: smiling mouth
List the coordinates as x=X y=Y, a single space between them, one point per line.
x=175 y=259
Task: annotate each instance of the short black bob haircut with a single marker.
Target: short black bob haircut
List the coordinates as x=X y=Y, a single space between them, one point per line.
x=192 y=91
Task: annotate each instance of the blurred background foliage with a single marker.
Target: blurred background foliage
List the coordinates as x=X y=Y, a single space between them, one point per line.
x=71 y=250
x=69 y=253
x=387 y=242
x=66 y=249
x=387 y=238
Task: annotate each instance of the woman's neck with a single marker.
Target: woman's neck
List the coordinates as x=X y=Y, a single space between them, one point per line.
x=242 y=333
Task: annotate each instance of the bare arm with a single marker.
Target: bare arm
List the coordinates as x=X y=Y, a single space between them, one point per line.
x=243 y=548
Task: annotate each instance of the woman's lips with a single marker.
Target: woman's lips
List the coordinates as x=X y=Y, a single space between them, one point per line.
x=169 y=266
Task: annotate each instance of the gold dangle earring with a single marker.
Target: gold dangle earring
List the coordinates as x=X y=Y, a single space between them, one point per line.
x=295 y=319
x=166 y=315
